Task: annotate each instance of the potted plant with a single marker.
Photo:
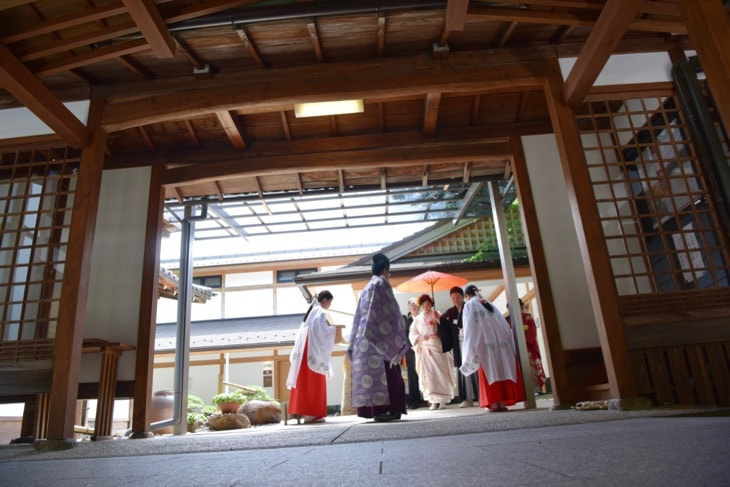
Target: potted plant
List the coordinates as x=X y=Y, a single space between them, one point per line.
x=228 y=402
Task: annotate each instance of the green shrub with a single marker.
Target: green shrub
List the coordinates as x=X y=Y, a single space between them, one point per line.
x=193 y=417
x=195 y=404
x=235 y=396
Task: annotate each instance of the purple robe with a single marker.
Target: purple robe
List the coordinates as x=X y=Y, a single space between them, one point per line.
x=378 y=337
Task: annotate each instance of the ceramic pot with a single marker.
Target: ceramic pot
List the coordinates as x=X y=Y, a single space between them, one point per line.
x=229 y=407
x=163 y=403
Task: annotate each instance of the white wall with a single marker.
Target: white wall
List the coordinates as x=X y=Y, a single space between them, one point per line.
x=112 y=310
x=560 y=243
x=25 y=123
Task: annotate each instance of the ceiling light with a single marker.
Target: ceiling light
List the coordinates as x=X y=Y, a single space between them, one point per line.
x=328 y=108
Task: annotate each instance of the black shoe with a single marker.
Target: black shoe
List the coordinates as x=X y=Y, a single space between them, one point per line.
x=380 y=418
x=413 y=406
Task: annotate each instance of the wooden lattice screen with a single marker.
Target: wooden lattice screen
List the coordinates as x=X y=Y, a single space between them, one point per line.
x=36 y=197
x=658 y=217
x=667 y=247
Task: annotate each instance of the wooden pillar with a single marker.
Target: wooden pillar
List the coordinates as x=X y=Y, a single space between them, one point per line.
x=145 y=358
x=74 y=291
x=594 y=252
x=538 y=266
x=107 y=389
x=708 y=25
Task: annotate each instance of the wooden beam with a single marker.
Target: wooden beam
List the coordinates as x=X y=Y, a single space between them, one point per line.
x=272 y=90
x=456 y=15
x=603 y=39
x=152 y=25
x=577 y=19
x=29 y=91
x=230 y=123
x=590 y=240
x=92 y=57
x=294 y=148
x=145 y=354
x=328 y=161
x=709 y=28
x=67 y=21
x=75 y=287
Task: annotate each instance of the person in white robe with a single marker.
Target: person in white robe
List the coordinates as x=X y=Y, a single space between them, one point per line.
x=310 y=363
x=489 y=349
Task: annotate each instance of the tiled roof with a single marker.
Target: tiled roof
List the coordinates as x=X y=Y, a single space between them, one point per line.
x=261 y=331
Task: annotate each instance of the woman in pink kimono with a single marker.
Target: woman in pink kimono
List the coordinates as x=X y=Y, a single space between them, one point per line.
x=310 y=365
x=432 y=364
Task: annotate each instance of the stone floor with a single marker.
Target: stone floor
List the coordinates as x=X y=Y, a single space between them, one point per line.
x=454 y=446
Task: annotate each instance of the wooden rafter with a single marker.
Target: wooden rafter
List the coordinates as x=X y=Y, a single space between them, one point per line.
x=456 y=15
x=135 y=67
x=231 y=124
x=475 y=107
x=250 y=46
x=28 y=89
x=314 y=36
x=152 y=25
x=467 y=172
x=504 y=37
x=341 y=180
x=431 y=114
x=615 y=18
x=383 y=179
x=381 y=34
x=424 y=175
x=191 y=131
x=87 y=58
x=190 y=54
x=285 y=125
x=146 y=138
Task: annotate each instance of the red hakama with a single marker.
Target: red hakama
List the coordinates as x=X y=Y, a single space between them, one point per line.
x=504 y=391
x=309 y=397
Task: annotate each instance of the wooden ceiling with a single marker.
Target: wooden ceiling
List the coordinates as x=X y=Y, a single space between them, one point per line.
x=207 y=88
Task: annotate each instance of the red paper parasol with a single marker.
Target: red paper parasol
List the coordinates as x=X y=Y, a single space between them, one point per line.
x=431 y=281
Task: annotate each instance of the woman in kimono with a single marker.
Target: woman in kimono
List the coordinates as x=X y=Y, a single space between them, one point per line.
x=378 y=342
x=533 y=350
x=310 y=362
x=432 y=364
x=489 y=349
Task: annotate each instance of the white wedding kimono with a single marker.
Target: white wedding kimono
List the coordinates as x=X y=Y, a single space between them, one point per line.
x=488 y=341
x=433 y=366
x=321 y=336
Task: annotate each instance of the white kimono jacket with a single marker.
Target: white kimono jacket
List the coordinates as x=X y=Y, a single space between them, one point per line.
x=488 y=341
x=321 y=337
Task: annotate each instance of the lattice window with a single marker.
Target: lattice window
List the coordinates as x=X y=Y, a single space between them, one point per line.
x=36 y=198
x=657 y=214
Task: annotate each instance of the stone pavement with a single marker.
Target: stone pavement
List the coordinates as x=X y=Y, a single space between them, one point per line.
x=661 y=446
